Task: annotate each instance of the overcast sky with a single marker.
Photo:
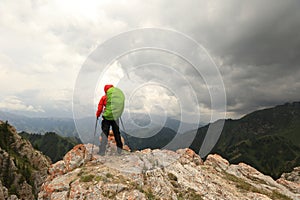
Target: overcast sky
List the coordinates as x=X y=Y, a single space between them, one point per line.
x=44 y=44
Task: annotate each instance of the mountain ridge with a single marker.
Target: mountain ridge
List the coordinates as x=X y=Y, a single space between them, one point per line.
x=66 y=127
x=51 y=144
x=62 y=126
x=268 y=139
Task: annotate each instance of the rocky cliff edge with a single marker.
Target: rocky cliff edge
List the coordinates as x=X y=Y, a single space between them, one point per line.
x=161 y=174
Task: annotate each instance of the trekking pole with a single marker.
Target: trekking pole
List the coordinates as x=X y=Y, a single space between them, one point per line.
x=124 y=131
x=94 y=137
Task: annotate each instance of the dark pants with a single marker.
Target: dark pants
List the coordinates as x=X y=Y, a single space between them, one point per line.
x=105 y=125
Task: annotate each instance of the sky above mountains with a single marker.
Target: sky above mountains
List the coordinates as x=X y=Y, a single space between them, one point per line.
x=254 y=44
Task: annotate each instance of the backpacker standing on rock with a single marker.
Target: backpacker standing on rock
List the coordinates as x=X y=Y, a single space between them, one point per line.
x=113 y=101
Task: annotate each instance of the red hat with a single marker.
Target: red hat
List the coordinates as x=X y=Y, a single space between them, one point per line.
x=106 y=87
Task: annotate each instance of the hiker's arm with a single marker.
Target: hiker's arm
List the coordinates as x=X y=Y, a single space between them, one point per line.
x=102 y=103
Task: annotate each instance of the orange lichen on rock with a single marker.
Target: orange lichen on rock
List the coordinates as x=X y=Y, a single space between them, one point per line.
x=75 y=157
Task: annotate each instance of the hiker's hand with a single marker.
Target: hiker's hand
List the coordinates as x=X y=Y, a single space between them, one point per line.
x=98 y=113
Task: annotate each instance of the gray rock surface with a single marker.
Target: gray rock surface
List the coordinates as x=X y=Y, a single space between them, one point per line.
x=157 y=174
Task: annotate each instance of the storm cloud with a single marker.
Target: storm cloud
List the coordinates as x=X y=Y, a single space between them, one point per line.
x=255 y=44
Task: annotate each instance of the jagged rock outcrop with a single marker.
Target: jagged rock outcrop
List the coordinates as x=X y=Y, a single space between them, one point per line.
x=291 y=180
x=157 y=174
x=293 y=176
x=22 y=168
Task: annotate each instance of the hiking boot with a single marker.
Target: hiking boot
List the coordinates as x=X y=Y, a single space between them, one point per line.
x=102 y=150
x=119 y=151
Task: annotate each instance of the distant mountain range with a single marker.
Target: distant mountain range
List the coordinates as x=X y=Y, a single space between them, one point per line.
x=62 y=126
x=139 y=120
x=85 y=126
x=268 y=139
x=149 y=138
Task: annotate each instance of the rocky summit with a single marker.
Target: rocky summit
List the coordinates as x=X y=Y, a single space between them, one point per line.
x=160 y=174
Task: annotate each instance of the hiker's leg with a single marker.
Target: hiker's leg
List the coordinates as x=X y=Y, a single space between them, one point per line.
x=104 y=135
x=116 y=131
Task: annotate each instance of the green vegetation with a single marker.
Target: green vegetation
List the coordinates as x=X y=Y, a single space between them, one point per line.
x=240 y=183
x=98 y=178
x=86 y=175
x=193 y=195
x=109 y=175
x=24 y=169
x=51 y=144
x=189 y=194
x=276 y=195
x=86 y=178
x=268 y=139
x=149 y=194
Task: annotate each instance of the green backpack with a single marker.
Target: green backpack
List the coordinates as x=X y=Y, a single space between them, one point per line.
x=114 y=104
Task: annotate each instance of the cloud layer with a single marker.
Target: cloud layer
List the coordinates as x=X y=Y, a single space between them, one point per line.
x=43 y=44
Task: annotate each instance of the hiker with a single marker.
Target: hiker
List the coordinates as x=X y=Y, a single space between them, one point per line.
x=113 y=101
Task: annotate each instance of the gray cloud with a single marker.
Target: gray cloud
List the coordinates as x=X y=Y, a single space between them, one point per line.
x=256 y=45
